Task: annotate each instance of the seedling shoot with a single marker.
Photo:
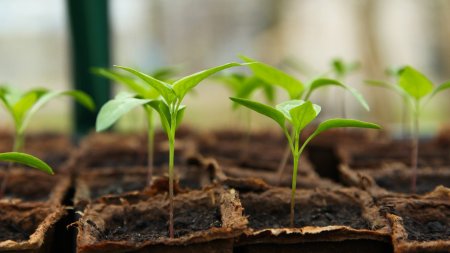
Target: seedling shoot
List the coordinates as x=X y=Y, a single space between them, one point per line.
x=298 y=114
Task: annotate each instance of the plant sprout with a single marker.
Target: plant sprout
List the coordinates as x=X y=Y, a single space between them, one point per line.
x=341 y=70
x=417 y=90
x=169 y=108
x=296 y=90
x=22 y=107
x=141 y=90
x=25 y=159
x=298 y=114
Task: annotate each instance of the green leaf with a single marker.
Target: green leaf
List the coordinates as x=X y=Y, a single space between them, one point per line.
x=79 y=96
x=180 y=115
x=322 y=82
x=4 y=98
x=303 y=115
x=164 y=89
x=165 y=73
x=440 y=88
x=27 y=160
x=115 y=109
x=286 y=107
x=262 y=109
x=275 y=76
x=340 y=123
x=185 y=84
x=135 y=85
x=342 y=68
x=414 y=83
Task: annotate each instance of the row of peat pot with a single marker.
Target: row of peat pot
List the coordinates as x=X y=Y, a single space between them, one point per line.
x=230 y=195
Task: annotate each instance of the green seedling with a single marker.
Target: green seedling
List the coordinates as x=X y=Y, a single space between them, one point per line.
x=24 y=159
x=296 y=90
x=244 y=86
x=298 y=114
x=417 y=90
x=22 y=107
x=341 y=71
x=141 y=90
x=169 y=108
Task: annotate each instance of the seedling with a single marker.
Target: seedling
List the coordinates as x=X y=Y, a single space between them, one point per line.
x=22 y=106
x=296 y=90
x=342 y=70
x=169 y=108
x=140 y=90
x=298 y=114
x=25 y=159
x=417 y=90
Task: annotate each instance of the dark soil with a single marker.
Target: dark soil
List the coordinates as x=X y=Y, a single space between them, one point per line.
x=274 y=214
x=426 y=222
x=29 y=185
x=401 y=184
x=18 y=223
x=137 y=225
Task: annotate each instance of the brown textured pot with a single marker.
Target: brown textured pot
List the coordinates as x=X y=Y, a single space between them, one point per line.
x=341 y=220
x=30 y=185
x=28 y=227
x=394 y=178
x=420 y=224
x=205 y=221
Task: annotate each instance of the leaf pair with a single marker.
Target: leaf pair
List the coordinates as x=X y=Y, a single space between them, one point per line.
x=23 y=106
x=27 y=160
x=300 y=113
x=295 y=88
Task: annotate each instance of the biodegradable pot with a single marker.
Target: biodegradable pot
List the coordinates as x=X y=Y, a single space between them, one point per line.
x=395 y=178
x=205 y=221
x=28 y=227
x=30 y=185
x=341 y=220
x=420 y=224
x=91 y=185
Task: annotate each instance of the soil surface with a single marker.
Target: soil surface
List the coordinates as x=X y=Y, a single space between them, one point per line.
x=270 y=213
x=17 y=223
x=29 y=185
x=150 y=224
x=424 y=184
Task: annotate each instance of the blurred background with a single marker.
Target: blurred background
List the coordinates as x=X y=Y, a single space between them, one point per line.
x=300 y=36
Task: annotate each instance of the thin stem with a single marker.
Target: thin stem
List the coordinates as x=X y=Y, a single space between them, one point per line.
x=415 y=148
x=296 y=156
x=18 y=144
x=283 y=162
x=150 y=144
x=173 y=125
x=19 y=141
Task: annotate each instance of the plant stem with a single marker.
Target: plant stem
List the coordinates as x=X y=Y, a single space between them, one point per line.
x=18 y=144
x=171 y=168
x=415 y=148
x=150 y=144
x=296 y=156
x=283 y=162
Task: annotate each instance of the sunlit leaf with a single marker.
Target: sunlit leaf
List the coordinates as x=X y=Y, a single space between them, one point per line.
x=164 y=89
x=185 y=84
x=27 y=160
x=303 y=115
x=323 y=82
x=114 y=109
x=287 y=106
x=414 y=83
x=440 y=88
x=262 y=109
x=275 y=76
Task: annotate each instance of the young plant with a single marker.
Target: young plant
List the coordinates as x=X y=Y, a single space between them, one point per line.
x=342 y=70
x=169 y=108
x=25 y=159
x=417 y=90
x=140 y=90
x=22 y=107
x=296 y=90
x=298 y=114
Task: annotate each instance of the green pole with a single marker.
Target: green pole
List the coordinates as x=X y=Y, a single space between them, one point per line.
x=89 y=30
